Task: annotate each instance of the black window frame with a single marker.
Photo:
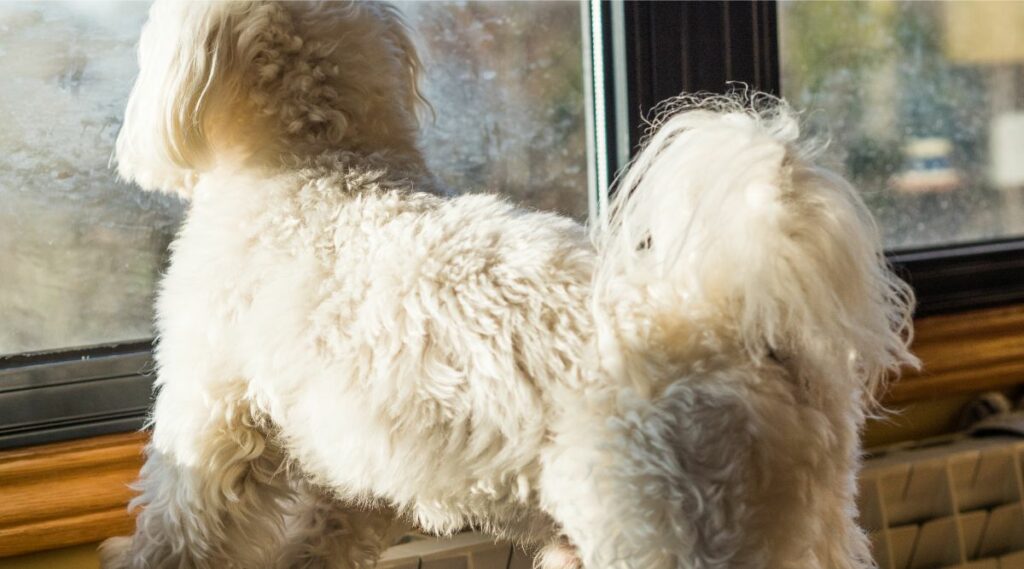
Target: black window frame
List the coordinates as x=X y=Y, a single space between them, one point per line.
x=670 y=47
x=70 y=394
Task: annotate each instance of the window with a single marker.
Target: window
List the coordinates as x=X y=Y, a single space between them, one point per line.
x=507 y=86
x=81 y=252
x=922 y=104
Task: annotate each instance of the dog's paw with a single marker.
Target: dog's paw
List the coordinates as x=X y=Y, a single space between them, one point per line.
x=114 y=553
x=558 y=555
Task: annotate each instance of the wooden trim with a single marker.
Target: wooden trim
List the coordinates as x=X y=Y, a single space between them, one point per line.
x=964 y=353
x=67 y=493
x=71 y=493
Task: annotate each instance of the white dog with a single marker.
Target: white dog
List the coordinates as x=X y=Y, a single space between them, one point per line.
x=343 y=353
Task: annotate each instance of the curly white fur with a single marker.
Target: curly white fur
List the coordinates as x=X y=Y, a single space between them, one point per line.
x=343 y=352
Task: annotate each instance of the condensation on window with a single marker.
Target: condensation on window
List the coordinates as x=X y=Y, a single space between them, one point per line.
x=505 y=80
x=920 y=104
x=81 y=252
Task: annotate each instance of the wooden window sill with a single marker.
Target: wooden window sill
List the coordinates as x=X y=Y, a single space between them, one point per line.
x=77 y=492
x=67 y=493
x=964 y=353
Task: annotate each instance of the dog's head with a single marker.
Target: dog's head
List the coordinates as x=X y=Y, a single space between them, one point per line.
x=252 y=82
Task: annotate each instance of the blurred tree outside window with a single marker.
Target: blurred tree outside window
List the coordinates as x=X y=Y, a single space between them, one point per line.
x=507 y=86
x=921 y=106
x=81 y=252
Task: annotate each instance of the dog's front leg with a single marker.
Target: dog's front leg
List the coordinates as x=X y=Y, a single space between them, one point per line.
x=212 y=493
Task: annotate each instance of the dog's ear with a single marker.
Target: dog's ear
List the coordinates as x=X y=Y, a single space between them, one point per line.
x=409 y=58
x=186 y=52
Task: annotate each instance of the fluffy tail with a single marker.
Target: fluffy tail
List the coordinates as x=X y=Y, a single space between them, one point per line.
x=722 y=225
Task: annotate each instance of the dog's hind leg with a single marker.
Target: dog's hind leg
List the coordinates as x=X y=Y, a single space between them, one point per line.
x=211 y=490
x=613 y=487
x=725 y=470
x=325 y=533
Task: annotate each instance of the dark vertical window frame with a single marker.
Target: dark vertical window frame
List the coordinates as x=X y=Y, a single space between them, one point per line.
x=678 y=47
x=608 y=97
x=611 y=42
x=687 y=47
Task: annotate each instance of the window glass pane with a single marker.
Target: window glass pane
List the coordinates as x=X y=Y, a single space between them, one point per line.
x=921 y=102
x=80 y=253
x=506 y=82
